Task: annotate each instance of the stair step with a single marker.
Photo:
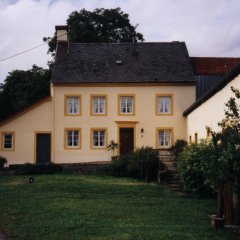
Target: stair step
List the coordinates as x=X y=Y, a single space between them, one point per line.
x=166 y=159
x=174 y=185
x=174 y=175
x=171 y=168
x=175 y=181
x=176 y=188
x=170 y=163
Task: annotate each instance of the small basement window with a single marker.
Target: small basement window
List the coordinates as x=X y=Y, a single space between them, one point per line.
x=8 y=141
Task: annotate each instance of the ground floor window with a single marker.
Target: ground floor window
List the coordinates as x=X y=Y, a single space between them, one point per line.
x=164 y=138
x=73 y=138
x=8 y=141
x=98 y=138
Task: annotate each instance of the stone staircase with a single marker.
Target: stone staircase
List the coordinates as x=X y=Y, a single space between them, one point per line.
x=172 y=177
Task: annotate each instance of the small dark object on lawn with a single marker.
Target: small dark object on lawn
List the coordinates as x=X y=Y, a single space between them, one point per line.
x=31 y=179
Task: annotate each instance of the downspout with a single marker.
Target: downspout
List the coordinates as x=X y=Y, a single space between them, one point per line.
x=53 y=134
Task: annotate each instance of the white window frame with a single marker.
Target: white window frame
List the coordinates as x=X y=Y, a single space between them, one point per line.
x=164 y=104
x=126 y=104
x=11 y=141
x=72 y=135
x=72 y=105
x=97 y=133
x=164 y=141
x=98 y=107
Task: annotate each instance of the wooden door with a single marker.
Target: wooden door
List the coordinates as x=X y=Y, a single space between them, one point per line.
x=126 y=140
x=43 y=148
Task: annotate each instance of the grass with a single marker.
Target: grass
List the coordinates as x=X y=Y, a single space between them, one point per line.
x=65 y=207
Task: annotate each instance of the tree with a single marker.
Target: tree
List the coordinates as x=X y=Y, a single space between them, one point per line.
x=215 y=162
x=100 y=26
x=22 y=88
x=224 y=167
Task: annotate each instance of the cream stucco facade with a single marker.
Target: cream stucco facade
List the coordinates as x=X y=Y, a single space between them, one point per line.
x=210 y=112
x=24 y=128
x=145 y=117
x=49 y=117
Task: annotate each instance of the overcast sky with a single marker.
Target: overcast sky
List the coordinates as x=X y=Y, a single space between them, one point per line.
x=209 y=27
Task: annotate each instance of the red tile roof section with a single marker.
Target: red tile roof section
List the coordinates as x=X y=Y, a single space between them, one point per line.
x=213 y=65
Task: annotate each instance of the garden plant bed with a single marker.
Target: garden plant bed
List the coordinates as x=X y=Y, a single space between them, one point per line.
x=95 y=207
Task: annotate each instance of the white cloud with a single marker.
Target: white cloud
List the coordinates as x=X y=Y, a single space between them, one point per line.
x=210 y=28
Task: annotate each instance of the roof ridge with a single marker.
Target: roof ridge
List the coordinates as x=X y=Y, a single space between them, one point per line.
x=216 y=57
x=127 y=43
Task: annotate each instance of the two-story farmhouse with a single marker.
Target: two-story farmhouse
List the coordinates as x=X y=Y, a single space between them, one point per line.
x=134 y=94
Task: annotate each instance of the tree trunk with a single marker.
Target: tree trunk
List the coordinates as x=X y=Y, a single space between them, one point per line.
x=220 y=206
x=228 y=204
x=236 y=203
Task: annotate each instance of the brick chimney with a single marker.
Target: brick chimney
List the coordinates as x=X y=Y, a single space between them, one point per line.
x=61 y=31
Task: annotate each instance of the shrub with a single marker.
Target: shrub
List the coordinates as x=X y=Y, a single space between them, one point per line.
x=143 y=164
x=190 y=166
x=178 y=147
x=112 y=147
x=3 y=161
x=36 y=169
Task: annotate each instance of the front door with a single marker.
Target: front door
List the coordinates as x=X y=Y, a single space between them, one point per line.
x=126 y=140
x=43 y=148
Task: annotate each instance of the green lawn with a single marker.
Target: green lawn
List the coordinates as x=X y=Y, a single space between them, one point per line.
x=92 y=207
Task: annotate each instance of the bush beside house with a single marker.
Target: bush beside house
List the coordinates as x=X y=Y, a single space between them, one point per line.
x=143 y=164
x=189 y=164
x=3 y=161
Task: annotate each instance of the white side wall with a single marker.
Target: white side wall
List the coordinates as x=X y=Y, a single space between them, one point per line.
x=210 y=112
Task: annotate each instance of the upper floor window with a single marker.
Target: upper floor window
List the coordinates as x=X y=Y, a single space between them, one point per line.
x=72 y=105
x=8 y=141
x=72 y=139
x=164 y=105
x=164 y=138
x=126 y=104
x=98 y=138
x=98 y=105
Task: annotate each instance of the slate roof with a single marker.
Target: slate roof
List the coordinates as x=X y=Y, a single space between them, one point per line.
x=119 y=63
x=213 y=65
x=225 y=80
